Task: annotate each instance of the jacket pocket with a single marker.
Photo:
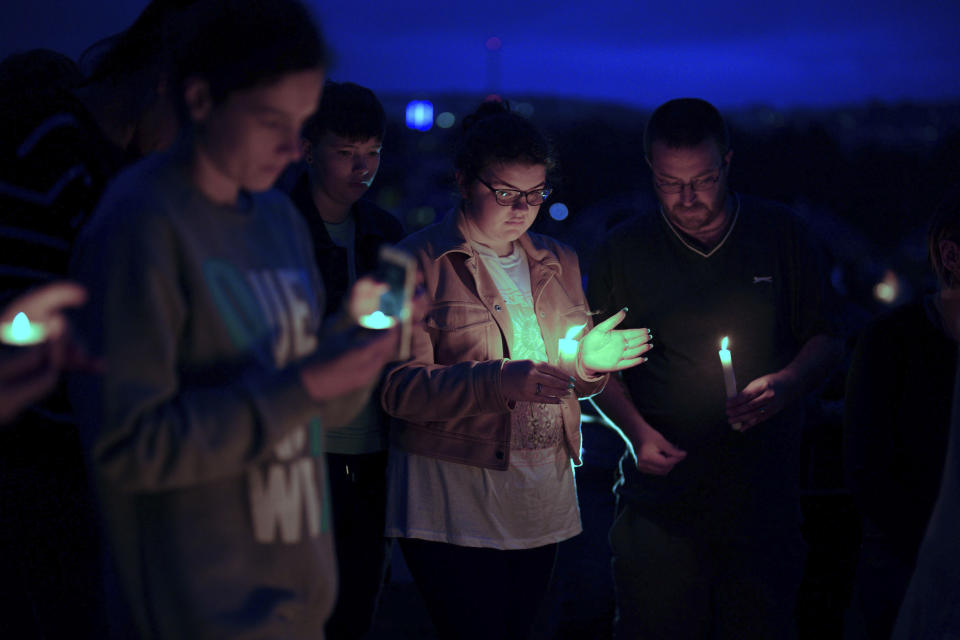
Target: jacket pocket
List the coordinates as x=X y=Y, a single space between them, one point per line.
x=461 y=331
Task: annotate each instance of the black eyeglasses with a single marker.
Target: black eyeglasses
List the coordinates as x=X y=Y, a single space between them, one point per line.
x=509 y=197
x=697 y=184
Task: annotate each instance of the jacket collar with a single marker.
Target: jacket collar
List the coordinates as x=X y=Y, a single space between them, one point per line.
x=452 y=234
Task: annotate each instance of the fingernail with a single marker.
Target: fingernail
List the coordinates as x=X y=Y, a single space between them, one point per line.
x=625 y=309
x=642 y=360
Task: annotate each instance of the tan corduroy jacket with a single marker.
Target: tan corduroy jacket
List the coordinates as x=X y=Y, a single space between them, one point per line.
x=447 y=399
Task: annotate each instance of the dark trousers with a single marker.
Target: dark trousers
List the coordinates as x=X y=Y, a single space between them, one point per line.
x=677 y=583
x=358 y=499
x=477 y=593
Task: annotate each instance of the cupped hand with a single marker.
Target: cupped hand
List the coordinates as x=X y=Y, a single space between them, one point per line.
x=364 y=297
x=655 y=454
x=762 y=399
x=605 y=348
x=529 y=381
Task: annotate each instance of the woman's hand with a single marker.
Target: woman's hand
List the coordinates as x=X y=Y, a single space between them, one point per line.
x=529 y=381
x=604 y=349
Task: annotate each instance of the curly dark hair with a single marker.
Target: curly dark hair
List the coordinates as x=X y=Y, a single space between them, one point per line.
x=494 y=133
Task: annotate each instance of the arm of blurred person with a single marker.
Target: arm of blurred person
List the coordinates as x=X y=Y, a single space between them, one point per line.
x=653 y=453
x=169 y=413
x=350 y=360
x=766 y=396
x=27 y=374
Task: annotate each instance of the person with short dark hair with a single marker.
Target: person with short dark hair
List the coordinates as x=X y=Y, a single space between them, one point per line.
x=707 y=541
x=205 y=432
x=896 y=427
x=342 y=143
x=480 y=479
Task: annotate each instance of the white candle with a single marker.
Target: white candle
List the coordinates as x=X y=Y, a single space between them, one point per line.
x=567 y=349
x=729 y=379
x=21 y=332
x=726 y=361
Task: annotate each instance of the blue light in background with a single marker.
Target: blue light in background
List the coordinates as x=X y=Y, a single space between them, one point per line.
x=420 y=115
x=559 y=211
x=446 y=120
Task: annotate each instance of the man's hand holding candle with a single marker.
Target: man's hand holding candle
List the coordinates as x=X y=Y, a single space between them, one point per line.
x=763 y=398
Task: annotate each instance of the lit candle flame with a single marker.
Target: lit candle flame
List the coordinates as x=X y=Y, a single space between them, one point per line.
x=376 y=320
x=724 y=342
x=573 y=331
x=20 y=327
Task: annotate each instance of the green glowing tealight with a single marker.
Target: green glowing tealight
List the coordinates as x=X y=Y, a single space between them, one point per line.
x=21 y=332
x=376 y=320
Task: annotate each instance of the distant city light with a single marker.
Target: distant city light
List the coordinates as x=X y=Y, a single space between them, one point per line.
x=420 y=115
x=559 y=211
x=445 y=120
x=525 y=109
x=494 y=43
x=888 y=289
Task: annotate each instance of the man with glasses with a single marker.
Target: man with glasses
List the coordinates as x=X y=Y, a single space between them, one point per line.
x=707 y=540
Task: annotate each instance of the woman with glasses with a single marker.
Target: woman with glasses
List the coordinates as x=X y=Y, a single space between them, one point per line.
x=481 y=484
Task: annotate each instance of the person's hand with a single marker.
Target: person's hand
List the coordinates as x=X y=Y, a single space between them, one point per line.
x=364 y=297
x=47 y=305
x=606 y=349
x=762 y=399
x=27 y=374
x=654 y=454
x=529 y=381
x=349 y=361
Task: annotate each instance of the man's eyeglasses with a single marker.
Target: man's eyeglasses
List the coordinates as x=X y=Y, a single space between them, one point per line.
x=509 y=197
x=697 y=184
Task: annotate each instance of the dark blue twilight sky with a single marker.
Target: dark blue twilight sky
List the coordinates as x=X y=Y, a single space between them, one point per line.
x=821 y=52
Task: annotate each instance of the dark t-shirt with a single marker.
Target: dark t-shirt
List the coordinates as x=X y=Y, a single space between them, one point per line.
x=763 y=287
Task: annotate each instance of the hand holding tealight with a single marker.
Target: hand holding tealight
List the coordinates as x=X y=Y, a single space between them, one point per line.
x=37 y=345
x=605 y=348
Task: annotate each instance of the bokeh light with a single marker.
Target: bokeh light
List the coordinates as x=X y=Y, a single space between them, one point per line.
x=559 y=211
x=420 y=115
x=446 y=120
x=888 y=289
